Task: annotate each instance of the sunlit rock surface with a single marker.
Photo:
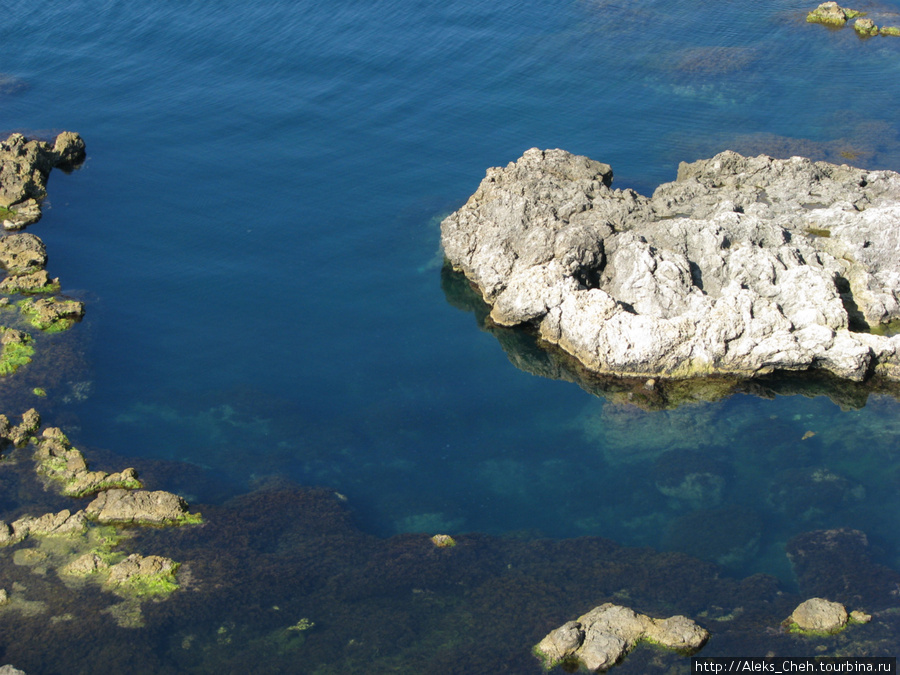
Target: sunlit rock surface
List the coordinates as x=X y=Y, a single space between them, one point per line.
x=741 y=267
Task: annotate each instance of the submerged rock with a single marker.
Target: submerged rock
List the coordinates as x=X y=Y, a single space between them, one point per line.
x=839 y=564
x=602 y=637
x=741 y=267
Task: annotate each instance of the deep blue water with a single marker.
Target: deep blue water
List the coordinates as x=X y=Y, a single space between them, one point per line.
x=256 y=236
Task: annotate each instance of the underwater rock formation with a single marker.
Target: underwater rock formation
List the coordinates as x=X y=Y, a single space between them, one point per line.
x=822 y=561
x=603 y=636
x=741 y=267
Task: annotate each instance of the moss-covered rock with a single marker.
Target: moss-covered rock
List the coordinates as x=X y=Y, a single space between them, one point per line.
x=141 y=507
x=59 y=461
x=16 y=350
x=865 y=28
x=34 y=282
x=51 y=315
x=831 y=14
x=143 y=576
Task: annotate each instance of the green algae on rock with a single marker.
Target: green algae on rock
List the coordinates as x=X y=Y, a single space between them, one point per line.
x=443 y=541
x=865 y=28
x=17 y=350
x=140 y=507
x=831 y=14
x=142 y=576
x=51 y=315
x=59 y=461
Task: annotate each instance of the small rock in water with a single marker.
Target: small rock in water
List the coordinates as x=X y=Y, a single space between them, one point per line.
x=818 y=615
x=443 y=541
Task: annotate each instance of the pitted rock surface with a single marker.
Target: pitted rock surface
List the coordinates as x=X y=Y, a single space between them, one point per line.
x=741 y=266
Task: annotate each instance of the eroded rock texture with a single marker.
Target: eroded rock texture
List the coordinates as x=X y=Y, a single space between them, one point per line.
x=741 y=266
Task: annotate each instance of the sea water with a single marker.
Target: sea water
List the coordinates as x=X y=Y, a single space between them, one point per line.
x=255 y=235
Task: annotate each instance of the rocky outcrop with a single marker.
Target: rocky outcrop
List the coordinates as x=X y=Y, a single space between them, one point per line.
x=15 y=352
x=51 y=524
x=741 y=267
x=119 y=506
x=24 y=430
x=51 y=314
x=602 y=637
x=59 y=461
x=24 y=168
x=831 y=14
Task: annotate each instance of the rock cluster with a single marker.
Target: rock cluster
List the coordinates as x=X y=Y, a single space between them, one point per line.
x=136 y=574
x=24 y=167
x=833 y=15
x=119 y=501
x=59 y=461
x=89 y=536
x=602 y=637
x=742 y=266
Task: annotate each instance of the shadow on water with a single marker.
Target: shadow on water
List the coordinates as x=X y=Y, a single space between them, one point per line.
x=528 y=352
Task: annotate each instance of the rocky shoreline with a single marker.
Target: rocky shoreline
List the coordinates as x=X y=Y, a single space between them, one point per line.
x=83 y=545
x=741 y=267
x=463 y=588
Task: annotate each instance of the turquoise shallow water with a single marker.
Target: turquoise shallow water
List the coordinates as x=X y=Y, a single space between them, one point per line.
x=256 y=237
